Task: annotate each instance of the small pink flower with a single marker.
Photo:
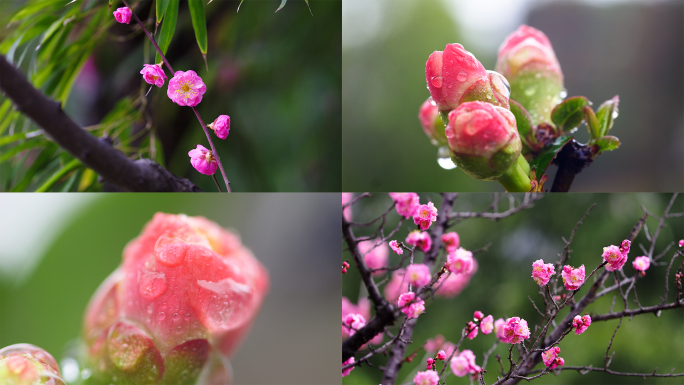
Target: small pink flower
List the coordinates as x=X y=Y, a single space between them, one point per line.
x=641 y=263
x=573 y=278
x=428 y=377
x=471 y=329
x=625 y=245
x=487 y=324
x=425 y=215
x=347 y=211
x=451 y=241
x=396 y=248
x=411 y=306
x=203 y=160
x=449 y=348
x=615 y=257
x=515 y=330
x=407 y=203
x=186 y=88
x=464 y=364
x=432 y=345
x=581 y=323
x=418 y=274
x=681 y=243
x=460 y=261
x=549 y=356
x=396 y=285
x=419 y=239
x=221 y=126
x=346 y=372
x=353 y=322
x=441 y=355
x=478 y=315
x=375 y=257
x=153 y=74
x=498 y=329
x=123 y=15
x=541 y=273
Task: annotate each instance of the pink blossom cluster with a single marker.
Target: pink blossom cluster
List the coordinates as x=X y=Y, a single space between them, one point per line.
x=460 y=261
x=551 y=359
x=346 y=372
x=407 y=203
x=425 y=215
x=451 y=241
x=581 y=323
x=410 y=305
x=396 y=247
x=641 y=263
x=428 y=377
x=464 y=364
x=515 y=330
x=616 y=256
x=418 y=274
x=376 y=255
x=450 y=285
x=573 y=278
x=363 y=308
x=352 y=322
x=541 y=272
x=419 y=239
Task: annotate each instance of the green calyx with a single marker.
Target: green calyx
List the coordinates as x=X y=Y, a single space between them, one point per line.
x=492 y=168
x=538 y=92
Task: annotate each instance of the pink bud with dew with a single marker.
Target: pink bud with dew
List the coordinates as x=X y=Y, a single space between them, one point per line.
x=203 y=160
x=499 y=330
x=573 y=278
x=515 y=330
x=460 y=261
x=396 y=285
x=527 y=49
x=406 y=203
x=451 y=241
x=471 y=330
x=353 y=322
x=432 y=122
x=410 y=305
x=441 y=355
x=541 y=273
x=615 y=257
x=221 y=126
x=186 y=88
x=24 y=364
x=487 y=324
x=681 y=243
x=425 y=215
x=347 y=211
x=346 y=372
x=153 y=74
x=123 y=15
x=581 y=323
x=376 y=257
x=419 y=239
x=396 y=248
x=641 y=263
x=418 y=274
x=428 y=377
x=549 y=357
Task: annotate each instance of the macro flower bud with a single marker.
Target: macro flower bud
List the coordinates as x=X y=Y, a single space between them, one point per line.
x=455 y=76
x=396 y=247
x=24 y=364
x=441 y=355
x=221 y=126
x=203 y=160
x=186 y=293
x=551 y=359
x=419 y=239
x=153 y=74
x=483 y=140
x=123 y=15
x=432 y=123
x=478 y=315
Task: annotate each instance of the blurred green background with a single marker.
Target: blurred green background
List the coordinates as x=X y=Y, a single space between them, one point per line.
x=502 y=283
x=294 y=235
x=634 y=49
x=277 y=75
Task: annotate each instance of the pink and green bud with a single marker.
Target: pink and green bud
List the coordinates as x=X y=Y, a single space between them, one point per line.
x=455 y=76
x=187 y=291
x=24 y=364
x=432 y=123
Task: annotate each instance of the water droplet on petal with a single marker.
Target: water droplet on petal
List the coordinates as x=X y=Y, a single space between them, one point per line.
x=436 y=81
x=444 y=158
x=161 y=315
x=563 y=94
x=615 y=113
x=462 y=76
x=187 y=317
x=179 y=329
x=529 y=91
x=151 y=285
x=432 y=101
x=175 y=316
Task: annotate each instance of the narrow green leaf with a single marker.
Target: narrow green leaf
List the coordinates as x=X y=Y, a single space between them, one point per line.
x=307 y=4
x=58 y=175
x=13 y=48
x=87 y=179
x=542 y=161
x=240 y=5
x=41 y=161
x=199 y=23
x=607 y=143
x=12 y=138
x=66 y=187
x=592 y=123
x=53 y=28
x=29 y=144
x=568 y=114
x=282 y=4
x=161 y=9
x=606 y=114
x=168 y=28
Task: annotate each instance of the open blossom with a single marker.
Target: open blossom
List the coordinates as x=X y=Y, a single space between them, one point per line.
x=451 y=241
x=515 y=330
x=203 y=160
x=460 y=261
x=411 y=306
x=375 y=257
x=407 y=203
x=541 y=273
x=498 y=328
x=186 y=88
x=641 y=263
x=396 y=285
x=487 y=324
x=347 y=211
x=346 y=372
x=221 y=126
x=615 y=257
x=464 y=364
x=471 y=329
x=363 y=308
x=123 y=15
x=153 y=74
x=353 y=322
x=396 y=248
x=425 y=215
x=428 y=377
x=573 y=278
x=581 y=323
x=418 y=274
x=450 y=285
x=419 y=239
x=551 y=359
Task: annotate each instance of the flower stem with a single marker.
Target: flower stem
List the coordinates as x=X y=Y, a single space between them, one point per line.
x=206 y=132
x=213 y=176
x=515 y=180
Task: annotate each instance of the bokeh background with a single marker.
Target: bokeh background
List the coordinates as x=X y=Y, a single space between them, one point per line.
x=631 y=48
x=277 y=75
x=56 y=250
x=502 y=283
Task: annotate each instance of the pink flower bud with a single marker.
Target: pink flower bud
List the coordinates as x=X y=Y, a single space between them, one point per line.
x=419 y=239
x=460 y=261
x=641 y=263
x=451 y=241
x=483 y=139
x=376 y=257
x=410 y=305
x=471 y=329
x=581 y=323
x=418 y=274
x=153 y=74
x=425 y=215
x=573 y=278
x=203 y=160
x=515 y=330
x=346 y=372
x=123 y=15
x=432 y=122
x=541 y=273
x=624 y=246
x=615 y=257
x=24 y=364
x=406 y=203
x=429 y=377
x=455 y=76
x=487 y=324
x=681 y=243
x=441 y=355
x=353 y=322
x=430 y=361
x=186 y=88
x=396 y=248
x=186 y=290
x=221 y=126
x=549 y=357
x=478 y=315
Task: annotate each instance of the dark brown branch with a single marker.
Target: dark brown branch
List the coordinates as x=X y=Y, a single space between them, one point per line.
x=585 y=369
x=112 y=165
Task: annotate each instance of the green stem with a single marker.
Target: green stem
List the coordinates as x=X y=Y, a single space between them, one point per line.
x=522 y=162
x=515 y=180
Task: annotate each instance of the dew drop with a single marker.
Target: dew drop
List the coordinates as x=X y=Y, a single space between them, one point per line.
x=187 y=317
x=529 y=91
x=462 y=76
x=161 y=315
x=563 y=94
x=179 y=329
x=432 y=101
x=615 y=113
x=175 y=316
x=151 y=285
x=444 y=158
x=436 y=81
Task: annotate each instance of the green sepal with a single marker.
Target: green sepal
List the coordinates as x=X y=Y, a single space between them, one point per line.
x=606 y=114
x=541 y=162
x=483 y=168
x=607 y=143
x=523 y=120
x=592 y=122
x=569 y=113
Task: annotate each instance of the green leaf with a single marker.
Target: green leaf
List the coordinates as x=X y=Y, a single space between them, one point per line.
x=168 y=28
x=607 y=143
x=547 y=154
x=41 y=161
x=29 y=144
x=569 y=113
x=53 y=28
x=13 y=48
x=161 y=9
x=87 y=179
x=606 y=114
x=199 y=24
x=592 y=123
x=240 y=5
x=12 y=138
x=58 y=175
x=282 y=4
x=522 y=118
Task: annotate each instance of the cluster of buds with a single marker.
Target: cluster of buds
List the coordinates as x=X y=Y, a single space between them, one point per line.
x=615 y=256
x=551 y=359
x=581 y=323
x=345 y=267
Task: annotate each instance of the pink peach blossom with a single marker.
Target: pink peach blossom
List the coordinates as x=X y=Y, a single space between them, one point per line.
x=460 y=261
x=153 y=74
x=471 y=329
x=425 y=215
x=376 y=257
x=418 y=274
x=123 y=15
x=432 y=345
x=573 y=278
x=362 y=308
x=581 y=323
x=441 y=355
x=396 y=285
x=407 y=203
x=464 y=364
x=487 y=324
x=641 y=263
x=411 y=306
x=396 y=248
x=499 y=330
x=346 y=372
x=221 y=126
x=186 y=88
x=451 y=241
x=347 y=211
x=450 y=285
x=541 y=273
x=419 y=239
x=428 y=377
x=550 y=357
x=615 y=257
x=203 y=160
x=353 y=322
x=515 y=330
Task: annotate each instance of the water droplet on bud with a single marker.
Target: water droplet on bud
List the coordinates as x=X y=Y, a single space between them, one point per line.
x=444 y=158
x=615 y=113
x=175 y=316
x=529 y=91
x=151 y=285
x=436 y=81
x=462 y=76
x=432 y=101
x=161 y=316
x=563 y=94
